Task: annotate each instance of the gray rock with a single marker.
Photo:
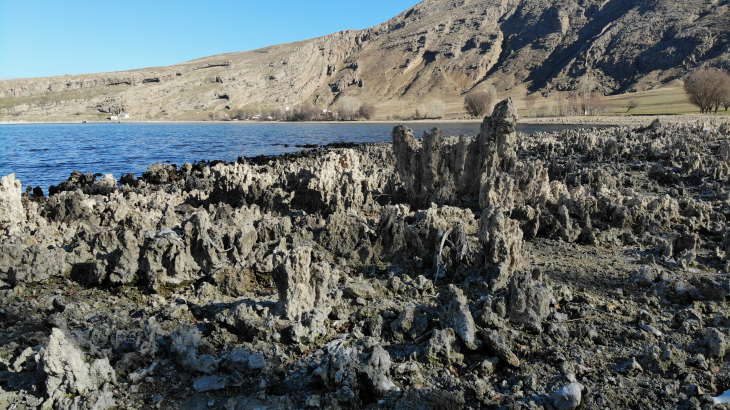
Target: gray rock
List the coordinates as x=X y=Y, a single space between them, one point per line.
x=529 y=300
x=716 y=343
x=494 y=342
x=501 y=239
x=443 y=348
x=208 y=383
x=301 y=285
x=256 y=361
x=159 y=173
x=410 y=324
x=436 y=171
x=11 y=207
x=456 y=315
x=67 y=371
x=186 y=342
x=568 y=397
x=349 y=372
x=377 y=370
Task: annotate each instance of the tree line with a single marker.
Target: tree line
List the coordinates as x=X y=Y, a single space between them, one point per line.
x=706 y=88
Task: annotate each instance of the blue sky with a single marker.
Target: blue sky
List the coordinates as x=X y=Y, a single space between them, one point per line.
x=56 y=37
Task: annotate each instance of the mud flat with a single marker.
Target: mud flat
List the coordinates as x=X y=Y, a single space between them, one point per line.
x=581 y=269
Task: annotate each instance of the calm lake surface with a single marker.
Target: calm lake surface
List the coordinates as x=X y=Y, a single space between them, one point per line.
x=46 y=154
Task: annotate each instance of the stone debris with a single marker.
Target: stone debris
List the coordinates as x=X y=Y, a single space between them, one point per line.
x=579 y=269
x=456 y=316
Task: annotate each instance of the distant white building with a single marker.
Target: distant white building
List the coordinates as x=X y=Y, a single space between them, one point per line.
x=113 y=118
x=123 y=115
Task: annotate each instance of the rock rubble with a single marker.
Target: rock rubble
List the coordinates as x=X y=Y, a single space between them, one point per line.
x=586 y=268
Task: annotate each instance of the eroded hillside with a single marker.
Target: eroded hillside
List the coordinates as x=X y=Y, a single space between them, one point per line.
x=437 y=49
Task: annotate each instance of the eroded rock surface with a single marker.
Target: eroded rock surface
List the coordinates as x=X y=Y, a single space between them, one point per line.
x=11 y=208
x=581 y=268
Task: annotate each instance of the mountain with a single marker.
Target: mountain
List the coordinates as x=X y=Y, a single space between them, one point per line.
x=439 y=49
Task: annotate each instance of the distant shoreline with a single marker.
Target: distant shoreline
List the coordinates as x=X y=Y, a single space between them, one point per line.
x=573 y=120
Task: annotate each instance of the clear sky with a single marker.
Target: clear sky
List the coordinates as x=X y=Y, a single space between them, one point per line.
x=56 y=37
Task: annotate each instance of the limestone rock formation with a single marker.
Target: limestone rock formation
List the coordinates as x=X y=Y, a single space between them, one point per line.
x=234 y=283
x=11 y=208
x=456 y=315
x=67 y=372
x=302 y=285
x=501 y=240
x=440 y=171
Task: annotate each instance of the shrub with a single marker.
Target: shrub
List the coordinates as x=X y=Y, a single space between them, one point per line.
x=478 y=103
x=366 y=111
x=708 y=89
x=348 y=107
x=305 y=113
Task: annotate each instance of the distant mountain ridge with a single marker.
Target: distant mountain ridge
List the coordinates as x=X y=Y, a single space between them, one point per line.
x=437 y=49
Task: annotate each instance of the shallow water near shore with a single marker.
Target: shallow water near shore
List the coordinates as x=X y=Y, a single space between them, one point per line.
x=46 y=154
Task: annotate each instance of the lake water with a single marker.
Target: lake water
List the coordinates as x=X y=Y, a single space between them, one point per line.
x=46 y=154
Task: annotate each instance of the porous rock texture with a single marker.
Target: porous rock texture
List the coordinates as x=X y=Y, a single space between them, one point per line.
x=594 y=276
x=11 y=208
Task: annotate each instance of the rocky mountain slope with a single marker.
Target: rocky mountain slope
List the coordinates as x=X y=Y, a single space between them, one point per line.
x=436 y=50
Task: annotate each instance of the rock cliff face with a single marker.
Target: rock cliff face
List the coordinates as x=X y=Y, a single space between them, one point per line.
x=437 y=49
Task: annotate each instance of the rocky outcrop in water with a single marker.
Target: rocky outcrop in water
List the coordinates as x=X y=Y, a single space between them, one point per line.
x=596 y=269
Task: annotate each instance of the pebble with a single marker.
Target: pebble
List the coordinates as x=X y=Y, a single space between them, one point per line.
x=651 y=329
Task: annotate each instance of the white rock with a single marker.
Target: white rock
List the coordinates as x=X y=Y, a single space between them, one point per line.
x=568 y=397
x=11 y=207
x=68 y=373
x=722 y=399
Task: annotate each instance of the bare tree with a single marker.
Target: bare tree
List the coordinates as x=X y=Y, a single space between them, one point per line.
x=366 y=111
x=707 y=89
x=585 y=93
x=305 y=113
x=348 y=107
x=530 y=101
x=435 y=109
x=478 y=103
x=632 y=104
x=574 y=104
x=560 y=105
x=278 y=113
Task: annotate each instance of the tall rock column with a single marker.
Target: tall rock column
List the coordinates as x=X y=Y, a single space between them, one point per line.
x=497 y=155
x=498 y=138
x=443 y=171
x=501 y=239
x=11 y=207
x=302 y=285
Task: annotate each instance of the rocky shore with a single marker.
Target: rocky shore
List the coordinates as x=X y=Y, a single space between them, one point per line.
x=580 y=269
